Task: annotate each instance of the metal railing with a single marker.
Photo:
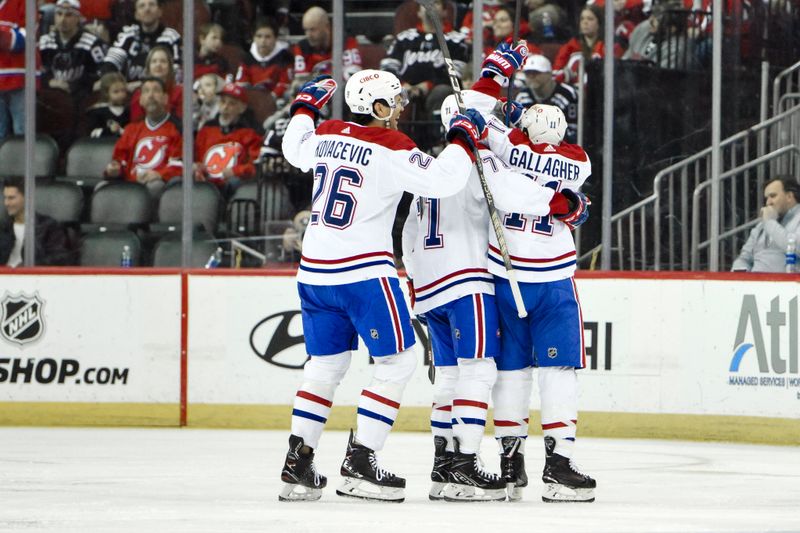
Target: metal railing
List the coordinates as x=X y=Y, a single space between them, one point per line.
x=655 y=233
x=787 y=81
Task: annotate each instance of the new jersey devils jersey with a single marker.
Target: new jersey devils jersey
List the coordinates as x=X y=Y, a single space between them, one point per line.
x=306 y=57
x=415 y=57
x=144 y=146
x=130 y=49
x=445 y=239
x=272 y=72
x=360 y=174
x=220 y=147
x=76 y=61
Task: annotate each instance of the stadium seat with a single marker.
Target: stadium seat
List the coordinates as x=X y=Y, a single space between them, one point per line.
x=172 y=14
x=86 y=161
x=206 y=201
x=276 y=202
x=121 y=203
x=168 y=252
x=371 y=55
x=56 y=115
x=243 y=212
x=233 y=54
x=12 y=156
x=261 y=103
x=61 y=201
x=104 y=248
x=405 y=16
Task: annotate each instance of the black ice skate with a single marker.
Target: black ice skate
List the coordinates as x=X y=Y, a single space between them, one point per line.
x=564 y=482
x=440 y=473
x=469 y=482
x=302 y=481
x=363 y=478
x=512 y=467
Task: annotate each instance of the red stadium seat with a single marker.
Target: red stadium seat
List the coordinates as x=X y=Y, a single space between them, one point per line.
x=371 y=55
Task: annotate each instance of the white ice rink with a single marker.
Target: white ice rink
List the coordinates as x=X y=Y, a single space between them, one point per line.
x=170 y=480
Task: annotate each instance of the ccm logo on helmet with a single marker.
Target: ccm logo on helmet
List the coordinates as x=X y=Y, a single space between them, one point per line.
x=370 y=77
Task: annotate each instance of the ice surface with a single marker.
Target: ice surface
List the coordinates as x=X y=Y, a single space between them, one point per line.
x=171 y=480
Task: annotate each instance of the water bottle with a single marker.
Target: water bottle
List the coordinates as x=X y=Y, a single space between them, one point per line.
x=125 y=260
x=215 y=260
x=791 y=253
x=547 y=26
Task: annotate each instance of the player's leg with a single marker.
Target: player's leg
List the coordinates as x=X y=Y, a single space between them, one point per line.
x=559 y=351
x=329 y=337
x=512 y=391
x=378 y=311
x=444 y=388
x=475 y=330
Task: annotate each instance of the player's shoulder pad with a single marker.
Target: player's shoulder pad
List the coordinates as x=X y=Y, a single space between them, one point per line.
x=408 y=35
x=391 y=139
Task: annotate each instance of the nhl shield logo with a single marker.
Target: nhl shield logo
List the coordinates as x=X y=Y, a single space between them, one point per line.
x=552 y=352
x=22 y=318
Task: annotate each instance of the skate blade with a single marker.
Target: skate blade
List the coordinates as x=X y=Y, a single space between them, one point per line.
x=554 y=493
x=292 y=492
x=514 y=492
x=437 y=491
x=466 y=493
x=358 y=488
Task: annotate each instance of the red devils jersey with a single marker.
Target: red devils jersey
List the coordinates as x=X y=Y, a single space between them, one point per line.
x=273 y=72
x=234 y=147
x=306 y=57
x=174 y=103
x=144 y=147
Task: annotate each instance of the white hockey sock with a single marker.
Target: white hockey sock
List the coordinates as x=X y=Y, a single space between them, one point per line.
x=558 y=387
x=444 y=389
x=380 y=401
x=314 y=398
x=512 y=397
x=471 y=401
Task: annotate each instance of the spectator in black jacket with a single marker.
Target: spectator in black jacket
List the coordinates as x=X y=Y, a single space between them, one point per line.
x=50 y=240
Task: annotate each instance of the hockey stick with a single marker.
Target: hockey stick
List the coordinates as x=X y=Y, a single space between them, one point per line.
x=495 y=218
x=517 y=15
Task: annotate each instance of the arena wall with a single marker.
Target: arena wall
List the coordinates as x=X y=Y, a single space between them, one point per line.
x=668 y=355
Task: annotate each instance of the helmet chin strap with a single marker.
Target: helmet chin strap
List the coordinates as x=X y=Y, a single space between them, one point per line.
x=387 y=119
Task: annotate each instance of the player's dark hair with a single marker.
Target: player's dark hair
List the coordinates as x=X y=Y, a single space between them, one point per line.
x=18 y=182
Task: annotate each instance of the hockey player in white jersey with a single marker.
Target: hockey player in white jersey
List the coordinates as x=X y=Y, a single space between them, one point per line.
x=543 y=254
x=347 y=278
x=444 y=250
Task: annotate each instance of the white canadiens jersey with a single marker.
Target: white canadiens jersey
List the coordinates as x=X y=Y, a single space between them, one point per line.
x=360 y=174
x=542 y=248
x=445 y=239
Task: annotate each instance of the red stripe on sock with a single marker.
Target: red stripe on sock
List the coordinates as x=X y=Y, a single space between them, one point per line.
x=470 y=403
x=444 y=408
x=505 y=423
x=314 y=398
x=554 y=425
x=385 y=401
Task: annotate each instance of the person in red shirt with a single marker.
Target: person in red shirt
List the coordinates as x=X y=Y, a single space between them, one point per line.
x=12 y=67
x=149 y=151
x=316 y=47
x=588 y=44
x=159 y=65
x=268 y=64
x=227 y=146
x=209 y=60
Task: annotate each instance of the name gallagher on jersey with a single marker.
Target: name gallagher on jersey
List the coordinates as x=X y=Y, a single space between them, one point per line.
x=553 y=167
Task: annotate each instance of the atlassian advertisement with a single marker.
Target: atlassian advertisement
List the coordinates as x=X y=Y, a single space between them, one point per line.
x=76 y=338
x=653 y=346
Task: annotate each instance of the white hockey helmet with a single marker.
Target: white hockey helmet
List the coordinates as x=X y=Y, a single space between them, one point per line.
x=544 y=124
x=365 y=87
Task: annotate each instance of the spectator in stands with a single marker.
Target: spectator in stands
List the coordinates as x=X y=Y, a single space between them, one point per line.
x=227 y=147
x=417 y=60
x=12 y=64
x=109 y=116
x=159 y=65
x=206 y=90
x=71 y=55
x=503 y=28
x=292 y=243
x=542 y=88
x=765 y=249
x=663 y=40
x=317 y=45
x=209 y=60
x=149 y=151
x=588 y=45
x=50 y=238
x=268 y=64
x=490 y=7
x=134 y=42
x=547 y=22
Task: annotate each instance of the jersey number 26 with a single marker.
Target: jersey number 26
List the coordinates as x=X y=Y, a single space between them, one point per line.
x=339 y=207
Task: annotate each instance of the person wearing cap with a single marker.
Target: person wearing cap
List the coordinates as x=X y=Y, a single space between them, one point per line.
x=71 y=55
x=542 y=88
x=227 y=146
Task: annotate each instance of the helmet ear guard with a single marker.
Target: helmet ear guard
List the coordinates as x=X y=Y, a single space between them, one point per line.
x=544 y=124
